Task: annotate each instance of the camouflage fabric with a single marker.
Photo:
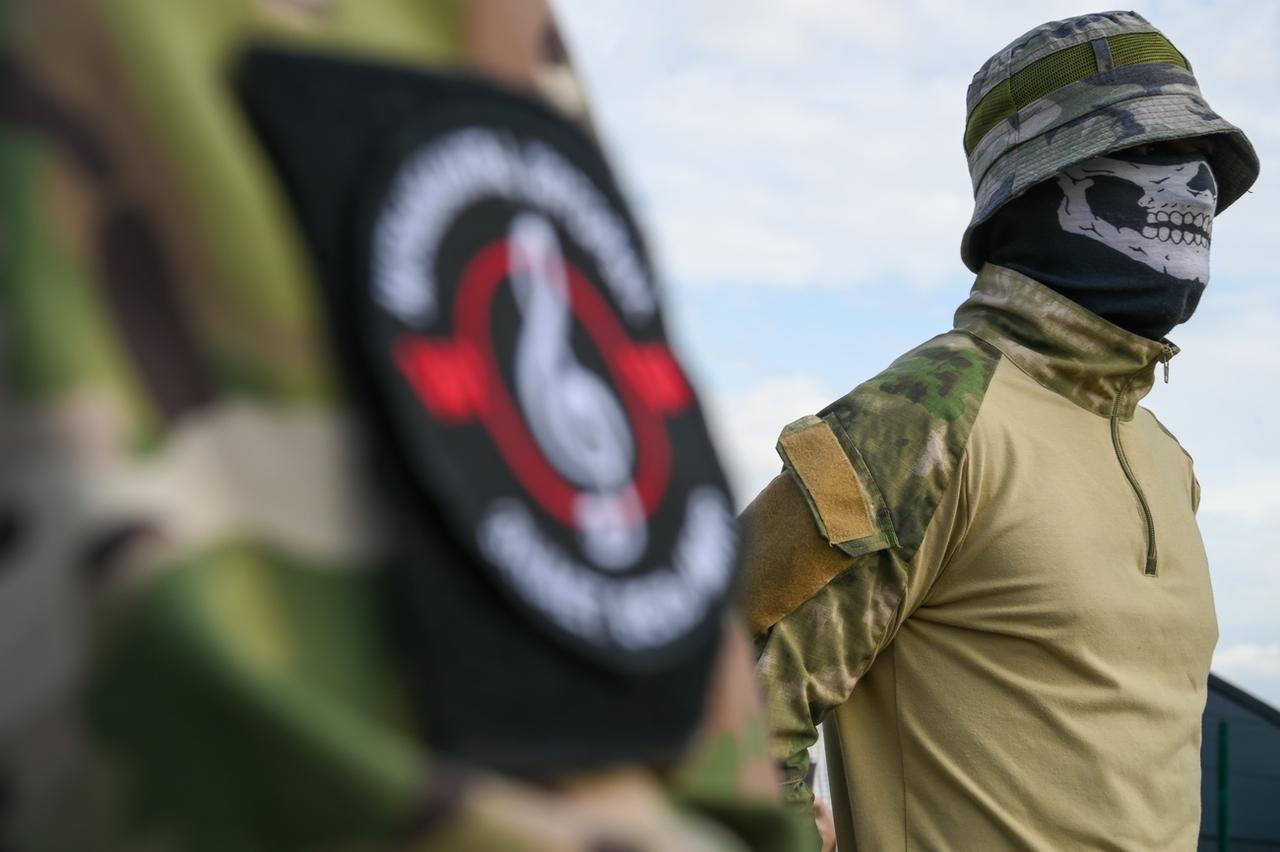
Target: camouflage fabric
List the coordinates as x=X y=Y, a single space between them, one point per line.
x=907 y=429
x=193 y=652
x=1095 y=104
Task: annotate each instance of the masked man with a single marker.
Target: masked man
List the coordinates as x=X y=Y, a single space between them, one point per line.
x=982 y=566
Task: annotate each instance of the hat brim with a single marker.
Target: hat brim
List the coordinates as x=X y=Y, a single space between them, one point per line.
x=1136 y=121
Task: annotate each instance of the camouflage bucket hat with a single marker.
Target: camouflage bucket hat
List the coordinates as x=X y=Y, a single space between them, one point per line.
x=1080 y=88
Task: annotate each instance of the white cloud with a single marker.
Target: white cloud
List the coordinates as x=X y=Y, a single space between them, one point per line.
x=1249 y=494
x=757 y=164
x=1249 y=659
x=1253 y=666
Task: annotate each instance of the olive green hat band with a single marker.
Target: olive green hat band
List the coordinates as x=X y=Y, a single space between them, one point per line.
x=1062 y=68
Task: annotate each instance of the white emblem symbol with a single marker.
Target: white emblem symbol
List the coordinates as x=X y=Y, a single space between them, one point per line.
x=575 y=418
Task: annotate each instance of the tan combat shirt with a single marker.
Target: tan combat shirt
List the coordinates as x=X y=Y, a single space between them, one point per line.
x=998 y=546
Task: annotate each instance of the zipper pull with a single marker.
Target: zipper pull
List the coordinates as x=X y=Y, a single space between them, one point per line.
x=1165 y=356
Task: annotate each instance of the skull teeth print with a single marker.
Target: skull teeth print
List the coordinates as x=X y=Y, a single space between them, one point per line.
x=1169 y=226
x=1179 y=227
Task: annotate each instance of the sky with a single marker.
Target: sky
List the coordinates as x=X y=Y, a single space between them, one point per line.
x=799 y=172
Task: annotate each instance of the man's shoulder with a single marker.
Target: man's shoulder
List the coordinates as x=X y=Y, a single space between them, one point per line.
x=937 y=385
x=864 y=476
x=905 y=430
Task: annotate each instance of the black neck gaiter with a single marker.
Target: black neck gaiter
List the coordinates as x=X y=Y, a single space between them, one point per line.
x=1125 y=236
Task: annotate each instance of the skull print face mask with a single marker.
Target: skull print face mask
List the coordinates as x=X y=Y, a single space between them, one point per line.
x=1155 y=209
x=1126 y=236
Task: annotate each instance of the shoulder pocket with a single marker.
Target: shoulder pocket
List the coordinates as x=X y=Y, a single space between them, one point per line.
x=846 y=503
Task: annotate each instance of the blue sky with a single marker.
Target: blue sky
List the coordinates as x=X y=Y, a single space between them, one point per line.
x=798 y=167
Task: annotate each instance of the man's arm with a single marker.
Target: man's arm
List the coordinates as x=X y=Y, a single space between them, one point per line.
x=819 y=616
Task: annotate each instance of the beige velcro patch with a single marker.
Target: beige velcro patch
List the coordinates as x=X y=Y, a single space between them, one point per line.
x=816 y=457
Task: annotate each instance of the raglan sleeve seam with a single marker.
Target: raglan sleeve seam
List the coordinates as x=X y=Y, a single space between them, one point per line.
x=966 y=510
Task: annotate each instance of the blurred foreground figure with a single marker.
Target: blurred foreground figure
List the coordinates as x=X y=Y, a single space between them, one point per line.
x=350 y=497
x=982 y=567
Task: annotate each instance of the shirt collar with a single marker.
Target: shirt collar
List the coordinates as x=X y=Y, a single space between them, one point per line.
x=1066 y=348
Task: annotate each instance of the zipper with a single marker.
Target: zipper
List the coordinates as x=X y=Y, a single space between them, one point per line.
x=1166 y=353
x=1150 y=567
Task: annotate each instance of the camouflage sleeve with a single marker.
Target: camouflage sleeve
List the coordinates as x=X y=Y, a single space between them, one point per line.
x=820 y=616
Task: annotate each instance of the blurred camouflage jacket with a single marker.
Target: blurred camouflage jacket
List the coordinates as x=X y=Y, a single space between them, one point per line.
x=191 y=644
x=997 y=545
